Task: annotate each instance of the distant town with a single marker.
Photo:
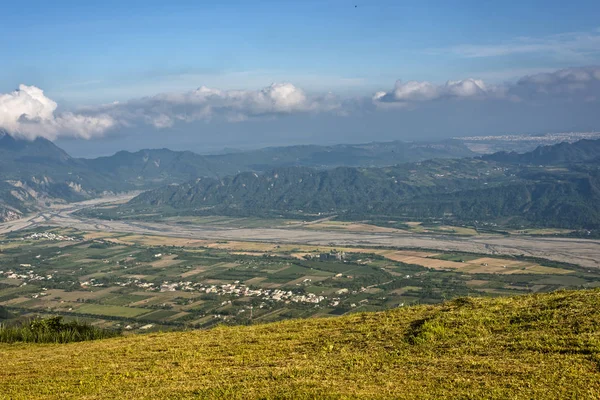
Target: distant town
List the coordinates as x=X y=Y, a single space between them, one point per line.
x=546 y=138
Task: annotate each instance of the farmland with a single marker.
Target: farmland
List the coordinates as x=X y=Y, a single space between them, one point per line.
x=150 y=282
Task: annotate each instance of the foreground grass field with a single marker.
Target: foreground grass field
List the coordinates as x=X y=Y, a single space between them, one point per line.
x=536 y=346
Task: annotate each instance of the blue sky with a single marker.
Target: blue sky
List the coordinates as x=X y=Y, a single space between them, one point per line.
x=90 y=53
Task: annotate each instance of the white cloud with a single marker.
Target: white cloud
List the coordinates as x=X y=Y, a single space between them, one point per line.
x=414 y=92
x=28 y=113
x=571 y=84
x=203 y=104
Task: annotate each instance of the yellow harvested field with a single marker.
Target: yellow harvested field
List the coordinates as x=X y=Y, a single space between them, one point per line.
x=15 y=301
x=165 y=261
x=96 y=235
x=299 y=256
x=423 y=258
x=350 y=226
x=432 y=262
x=400 y=253
x=488 y=265
x=151 y=240
x=476 y=282
x=194 y=271
x=484 y=265
x=255 y=281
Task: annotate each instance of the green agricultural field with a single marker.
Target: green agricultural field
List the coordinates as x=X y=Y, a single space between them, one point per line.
x=111 y=311
x=123 y=300
x=160 y=315
x=127 y=283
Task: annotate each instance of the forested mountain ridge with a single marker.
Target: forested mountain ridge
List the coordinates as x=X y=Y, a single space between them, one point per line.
x=464 y=190
x=33 y=173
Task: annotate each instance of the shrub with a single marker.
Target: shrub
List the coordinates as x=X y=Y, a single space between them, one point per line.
x=52 y=330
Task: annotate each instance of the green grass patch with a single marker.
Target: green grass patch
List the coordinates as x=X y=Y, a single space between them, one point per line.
x=123 y=300
x=111 y=311
x=52 y=330
x=159 y=315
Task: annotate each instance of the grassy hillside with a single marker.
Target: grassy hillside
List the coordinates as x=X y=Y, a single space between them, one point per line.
x=539 y=346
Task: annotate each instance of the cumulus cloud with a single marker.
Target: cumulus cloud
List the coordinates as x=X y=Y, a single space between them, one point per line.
x=571 y=84
x=414 y=92
x=204 y=104
x=28 y=113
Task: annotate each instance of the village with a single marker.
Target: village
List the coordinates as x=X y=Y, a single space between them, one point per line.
x=235 y=289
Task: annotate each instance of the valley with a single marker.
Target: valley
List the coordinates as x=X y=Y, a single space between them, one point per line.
x=583 y=252
x=195 y=272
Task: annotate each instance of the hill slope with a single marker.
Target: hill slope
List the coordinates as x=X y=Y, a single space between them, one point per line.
x=538 y=346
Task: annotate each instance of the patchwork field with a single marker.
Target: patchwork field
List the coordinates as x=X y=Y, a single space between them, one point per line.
x=161 y=283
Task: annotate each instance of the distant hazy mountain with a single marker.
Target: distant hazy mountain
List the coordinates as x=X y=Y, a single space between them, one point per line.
x=153 y=166
x=581 y=151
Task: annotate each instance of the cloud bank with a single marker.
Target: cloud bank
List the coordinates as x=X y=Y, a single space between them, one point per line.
x=413 y=91
x=569 y=84
x=28 y=113
x=206 y=104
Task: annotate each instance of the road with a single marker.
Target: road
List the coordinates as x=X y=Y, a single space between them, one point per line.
x=578 y=251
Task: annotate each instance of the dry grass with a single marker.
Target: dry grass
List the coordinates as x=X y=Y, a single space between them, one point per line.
x=166 y=261
x=535 y=346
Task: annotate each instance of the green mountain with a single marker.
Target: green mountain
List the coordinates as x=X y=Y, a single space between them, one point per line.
x=543 y=346
x=33 y=173
x=466 y=190
x=148 y=168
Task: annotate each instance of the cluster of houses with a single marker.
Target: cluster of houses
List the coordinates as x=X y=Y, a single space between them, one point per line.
x=332 y=256
x=28 y=276
x=49 y=236
x=236 y=289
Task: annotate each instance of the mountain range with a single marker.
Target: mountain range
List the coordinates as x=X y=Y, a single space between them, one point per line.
x=33 y=173
x=555 y=185
x=504 y=188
